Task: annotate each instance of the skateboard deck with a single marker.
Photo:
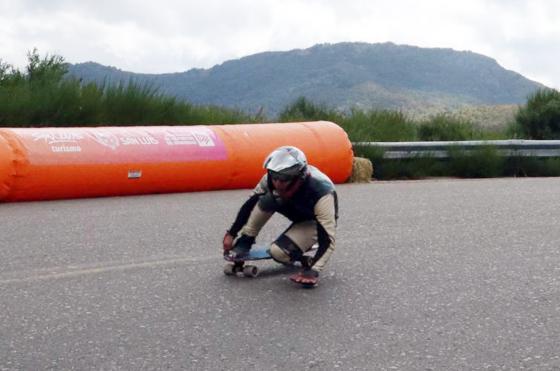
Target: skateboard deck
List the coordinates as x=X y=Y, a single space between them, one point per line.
x=257 y=252
x=236 y=263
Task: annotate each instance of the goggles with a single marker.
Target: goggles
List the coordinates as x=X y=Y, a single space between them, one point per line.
x=281 y=176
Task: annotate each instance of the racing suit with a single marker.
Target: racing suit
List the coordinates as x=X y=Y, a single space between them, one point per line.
x=313 y=210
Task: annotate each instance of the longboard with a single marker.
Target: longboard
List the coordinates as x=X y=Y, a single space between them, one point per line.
x=258 y=252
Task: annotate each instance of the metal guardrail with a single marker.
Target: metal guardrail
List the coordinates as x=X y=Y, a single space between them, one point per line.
x=507 y=148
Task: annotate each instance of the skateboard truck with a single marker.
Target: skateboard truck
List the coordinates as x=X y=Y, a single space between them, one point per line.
x=248 y=270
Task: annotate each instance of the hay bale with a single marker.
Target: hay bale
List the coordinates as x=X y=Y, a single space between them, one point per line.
x=362 y=170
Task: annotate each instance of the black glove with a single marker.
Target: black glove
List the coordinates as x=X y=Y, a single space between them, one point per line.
x=243 y=243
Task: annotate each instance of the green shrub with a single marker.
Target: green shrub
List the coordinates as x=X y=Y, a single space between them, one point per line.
x=413 y=168
x=532 y=166
x=444 y=127
x=378 y=126
x=303 y=109
x=484 y=162
x=480 y=163
x=549 y=167
x=373 y=125
x=540 y=117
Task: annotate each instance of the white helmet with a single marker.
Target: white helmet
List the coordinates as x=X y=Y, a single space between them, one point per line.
x=286 y=163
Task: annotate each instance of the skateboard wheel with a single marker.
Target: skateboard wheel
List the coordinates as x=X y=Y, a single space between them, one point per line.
x=250 y=271
x=229 y=269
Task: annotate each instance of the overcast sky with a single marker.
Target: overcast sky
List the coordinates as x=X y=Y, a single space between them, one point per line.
x=177 y=35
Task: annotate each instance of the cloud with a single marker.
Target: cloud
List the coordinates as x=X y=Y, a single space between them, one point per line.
x=171 y=36
x=524 y=37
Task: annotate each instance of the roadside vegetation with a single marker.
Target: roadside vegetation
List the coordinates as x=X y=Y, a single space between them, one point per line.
x=538 y=119
x=42 y=95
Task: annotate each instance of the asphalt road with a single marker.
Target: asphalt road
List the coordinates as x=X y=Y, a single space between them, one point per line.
x=428 y=275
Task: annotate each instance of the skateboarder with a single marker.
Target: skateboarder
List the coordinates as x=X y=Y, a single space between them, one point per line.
x=305 y=196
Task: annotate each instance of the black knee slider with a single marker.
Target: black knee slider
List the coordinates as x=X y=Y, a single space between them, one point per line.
x=289 y=247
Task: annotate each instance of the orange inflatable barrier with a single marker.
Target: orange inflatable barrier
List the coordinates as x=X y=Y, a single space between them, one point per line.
x=53 y=163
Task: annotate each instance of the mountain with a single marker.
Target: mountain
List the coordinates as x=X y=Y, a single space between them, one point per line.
x=342 y=75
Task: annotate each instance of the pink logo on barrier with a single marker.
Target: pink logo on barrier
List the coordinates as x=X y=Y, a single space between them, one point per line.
x=122 y=145
x=105 y=138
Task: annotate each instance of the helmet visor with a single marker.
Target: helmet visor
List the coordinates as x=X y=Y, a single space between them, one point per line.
x=282 y=177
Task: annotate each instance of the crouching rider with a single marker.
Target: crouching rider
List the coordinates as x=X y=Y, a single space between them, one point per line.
x=305 y=196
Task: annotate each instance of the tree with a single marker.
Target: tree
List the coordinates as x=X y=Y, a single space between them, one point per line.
x=49 y=69
x=540 y=118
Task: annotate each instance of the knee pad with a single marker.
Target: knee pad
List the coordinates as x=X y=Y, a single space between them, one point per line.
x=286 y=249
x=279 y=255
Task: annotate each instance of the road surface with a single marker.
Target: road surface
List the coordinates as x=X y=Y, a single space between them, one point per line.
x=428 y=275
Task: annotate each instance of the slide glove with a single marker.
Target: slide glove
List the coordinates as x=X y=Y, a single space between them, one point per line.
x=242 y=245
x=307 y=278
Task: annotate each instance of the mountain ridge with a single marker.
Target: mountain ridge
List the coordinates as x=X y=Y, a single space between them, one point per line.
x=341 y=75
